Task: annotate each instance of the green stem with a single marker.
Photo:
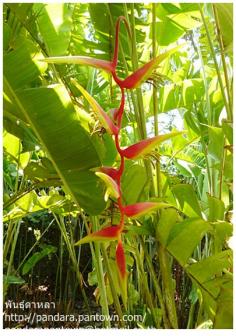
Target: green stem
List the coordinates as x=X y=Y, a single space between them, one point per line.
x=190 y=324
x=222 y=170
x=156 y=286
x=72 y=254
x=229 y=112
x=209 y=109
x=113 y=290
x=223 y=57
x=8 y=239
x=100 y=276
x=134 y=59
x=141 y=123
x=145 y=286
x=167 y=286
x=11 y=259
x=155 y=105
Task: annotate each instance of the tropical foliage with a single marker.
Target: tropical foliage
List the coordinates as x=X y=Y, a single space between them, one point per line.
x=118 y=133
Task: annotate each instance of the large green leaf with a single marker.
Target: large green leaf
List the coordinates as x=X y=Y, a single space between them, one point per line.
x=167 y=31
x=216 y=284
x=224 y=314
x=166 y=222
x=225 y=15
x=55 y=24
x=210 y=267
x=57 y=125
x=184 y=237
x=216 y=208
x=133 y=183
x=31 y=202
x=182 y=93
x=187 y=199
x=216 y=142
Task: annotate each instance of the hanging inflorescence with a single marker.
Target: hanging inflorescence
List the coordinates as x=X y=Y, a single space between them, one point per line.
x=110 y=175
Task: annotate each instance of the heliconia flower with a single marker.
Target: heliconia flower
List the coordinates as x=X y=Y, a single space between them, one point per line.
x=140 y=209
x=146 y=146
x=106 y=234
x=98 y=110
x=112 y=187
x=82 y=60
x=112 y=172
x=143 y=73
x=121 y=263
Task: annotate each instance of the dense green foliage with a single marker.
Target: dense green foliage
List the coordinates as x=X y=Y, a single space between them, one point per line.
x=179 y=261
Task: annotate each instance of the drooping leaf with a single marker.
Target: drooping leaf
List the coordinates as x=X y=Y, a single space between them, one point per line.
x=107 y=234
x=187 y=199
x=216 y=208
x=146 y=146
x=184 y=237
x=211 y=267
x=168 y=219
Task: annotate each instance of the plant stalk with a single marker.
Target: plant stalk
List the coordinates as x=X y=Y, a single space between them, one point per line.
x=167 y=286
x=228 y=110
x=100 y=276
